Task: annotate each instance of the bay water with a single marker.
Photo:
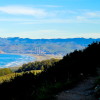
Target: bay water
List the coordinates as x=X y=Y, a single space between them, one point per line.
x=12 y=60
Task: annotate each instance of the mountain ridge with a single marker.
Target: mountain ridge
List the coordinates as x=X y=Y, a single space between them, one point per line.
x=43 y=46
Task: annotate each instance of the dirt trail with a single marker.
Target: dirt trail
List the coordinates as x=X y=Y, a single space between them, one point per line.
x=82 y=91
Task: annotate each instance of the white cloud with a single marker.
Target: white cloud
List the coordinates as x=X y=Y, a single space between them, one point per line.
x=32 y=11
x=81 y=18
x=48 y=21
x=37 y=34
x=77 y=19
x=93 y=14
x=87 y=35
x=51 y=6
x=50 y=34
x=39 y=21
x=50 y=16
x=87 y=16
x=22 y=10
x=14 y=20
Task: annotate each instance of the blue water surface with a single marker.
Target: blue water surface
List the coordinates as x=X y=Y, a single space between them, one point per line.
x=12 y=60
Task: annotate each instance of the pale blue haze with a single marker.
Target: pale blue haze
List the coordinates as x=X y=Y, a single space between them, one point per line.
x=50 y=18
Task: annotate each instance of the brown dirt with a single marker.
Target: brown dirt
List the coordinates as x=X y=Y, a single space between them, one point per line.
x=83 y=91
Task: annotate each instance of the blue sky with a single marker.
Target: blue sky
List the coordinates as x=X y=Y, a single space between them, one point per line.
x=50 y=18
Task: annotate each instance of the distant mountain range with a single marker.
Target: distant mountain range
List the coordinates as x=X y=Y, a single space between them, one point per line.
x=43 y=46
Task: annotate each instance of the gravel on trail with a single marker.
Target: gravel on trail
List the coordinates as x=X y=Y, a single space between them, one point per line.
x=83 y=91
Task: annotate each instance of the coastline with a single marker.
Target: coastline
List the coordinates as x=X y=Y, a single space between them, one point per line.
x=36 y=58
x=43 y=57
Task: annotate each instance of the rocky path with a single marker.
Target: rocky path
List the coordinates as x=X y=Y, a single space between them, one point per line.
x=82 y=91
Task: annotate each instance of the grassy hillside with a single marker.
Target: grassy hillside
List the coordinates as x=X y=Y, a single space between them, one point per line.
x=9 y=77
x=34 y=67
x=62 y=75
x=5 y=71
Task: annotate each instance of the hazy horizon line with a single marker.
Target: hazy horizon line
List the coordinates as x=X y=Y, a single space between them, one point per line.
x=53 y=38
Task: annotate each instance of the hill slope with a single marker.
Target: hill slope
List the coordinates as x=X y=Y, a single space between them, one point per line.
x=83 y=91
x=43 y=46
x=64 y=74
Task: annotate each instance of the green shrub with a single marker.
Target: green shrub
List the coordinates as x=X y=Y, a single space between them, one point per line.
x=5 y=71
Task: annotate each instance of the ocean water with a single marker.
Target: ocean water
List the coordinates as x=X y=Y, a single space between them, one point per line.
x=11 y=60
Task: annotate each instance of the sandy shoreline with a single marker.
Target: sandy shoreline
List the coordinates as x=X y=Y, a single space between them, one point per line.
x=37 y=58
x=43 y=57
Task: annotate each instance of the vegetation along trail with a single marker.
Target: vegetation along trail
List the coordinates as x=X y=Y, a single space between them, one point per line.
x=83 y=91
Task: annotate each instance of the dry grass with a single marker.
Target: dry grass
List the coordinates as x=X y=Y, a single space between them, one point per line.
x=8 y=77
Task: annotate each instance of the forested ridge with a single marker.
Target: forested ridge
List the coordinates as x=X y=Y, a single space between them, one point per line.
x=63 y=74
